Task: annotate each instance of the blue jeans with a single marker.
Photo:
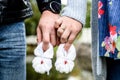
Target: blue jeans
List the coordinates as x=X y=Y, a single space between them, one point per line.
x=12 y=52
x=113 y=69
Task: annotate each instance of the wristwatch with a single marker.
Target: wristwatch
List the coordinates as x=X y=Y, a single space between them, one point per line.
x=53 y=6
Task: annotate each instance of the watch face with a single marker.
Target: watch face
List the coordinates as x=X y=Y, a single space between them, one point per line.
x=55 y=6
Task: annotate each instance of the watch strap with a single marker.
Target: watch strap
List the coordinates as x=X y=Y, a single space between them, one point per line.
x=51 y=5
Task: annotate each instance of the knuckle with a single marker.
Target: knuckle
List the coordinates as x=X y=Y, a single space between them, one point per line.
x=63 y=38
x=56 y=22
x=76 y=31
x=70 y=41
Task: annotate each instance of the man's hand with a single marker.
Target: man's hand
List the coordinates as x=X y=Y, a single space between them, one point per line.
x=68 y=29
x=45 y=31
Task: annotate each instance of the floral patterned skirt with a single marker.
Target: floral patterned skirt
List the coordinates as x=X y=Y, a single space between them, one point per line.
x=109 y=28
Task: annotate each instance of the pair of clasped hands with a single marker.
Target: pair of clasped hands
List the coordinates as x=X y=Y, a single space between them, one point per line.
x=56 y=29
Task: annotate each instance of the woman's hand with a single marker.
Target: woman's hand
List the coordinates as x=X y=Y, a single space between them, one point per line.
x=68 y=29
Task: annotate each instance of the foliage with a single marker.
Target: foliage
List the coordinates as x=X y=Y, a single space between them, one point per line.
x=87 y=25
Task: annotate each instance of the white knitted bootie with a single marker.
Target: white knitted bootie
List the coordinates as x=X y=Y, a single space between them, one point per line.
x=65 y=60
x=42 y=63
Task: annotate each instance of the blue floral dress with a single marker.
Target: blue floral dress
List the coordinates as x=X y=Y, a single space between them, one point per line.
x=109 y=28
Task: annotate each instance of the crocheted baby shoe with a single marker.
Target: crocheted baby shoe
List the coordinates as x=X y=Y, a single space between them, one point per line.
x=64 y=65
x=47 y=54
x=64 y=62
x=42 y=63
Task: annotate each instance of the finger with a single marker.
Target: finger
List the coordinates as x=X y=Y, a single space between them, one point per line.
x=39 y=36
x=57 y=38
x=65 y=36
x=58 y=23
x=62 y=26
x=60 y=30
x=53 y=38
x=46 y=40
x=69 y=42
x=67 y=46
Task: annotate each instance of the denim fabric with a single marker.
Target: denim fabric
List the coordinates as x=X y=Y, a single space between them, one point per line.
x=12 y=52
x=109 y=28
x=113 y=69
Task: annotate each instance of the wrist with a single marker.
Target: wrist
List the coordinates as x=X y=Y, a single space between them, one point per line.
x=48 y=12
x=52 y=6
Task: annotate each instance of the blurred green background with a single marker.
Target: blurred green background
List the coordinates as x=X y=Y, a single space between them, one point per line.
x=77 y=72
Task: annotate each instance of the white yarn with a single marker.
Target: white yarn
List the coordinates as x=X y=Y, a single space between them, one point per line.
x=64 y=62
x=64 y=65
x=42 y=63
x=47 y=54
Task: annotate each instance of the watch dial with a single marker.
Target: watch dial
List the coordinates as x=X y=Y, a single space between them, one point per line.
x=56 y=6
